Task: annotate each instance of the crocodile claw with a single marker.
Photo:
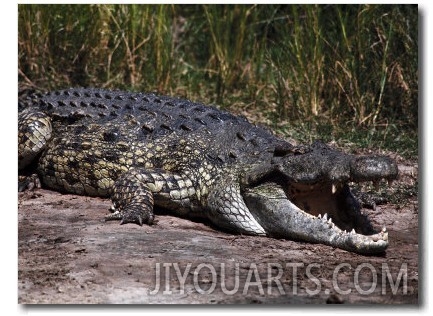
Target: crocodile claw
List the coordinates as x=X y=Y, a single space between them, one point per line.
x=132 y=215
x=28 y=183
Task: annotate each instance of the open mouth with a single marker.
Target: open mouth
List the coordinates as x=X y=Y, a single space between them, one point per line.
x=304 y=195
x=335 y=201
x=326 y=213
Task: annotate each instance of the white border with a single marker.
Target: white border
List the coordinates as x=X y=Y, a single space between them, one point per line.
x=8 y=271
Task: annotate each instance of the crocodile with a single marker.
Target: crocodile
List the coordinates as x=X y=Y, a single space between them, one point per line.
x=144 y=150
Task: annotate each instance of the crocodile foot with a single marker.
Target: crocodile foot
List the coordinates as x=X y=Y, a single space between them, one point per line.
x=132 y=200
x=28 y=183
x=131 y=214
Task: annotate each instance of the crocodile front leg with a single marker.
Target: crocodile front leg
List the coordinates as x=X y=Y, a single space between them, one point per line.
x=136 y=191
x=132 y=198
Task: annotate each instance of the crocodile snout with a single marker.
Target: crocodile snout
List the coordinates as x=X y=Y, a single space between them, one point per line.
x=371 y=168
x=324 y=164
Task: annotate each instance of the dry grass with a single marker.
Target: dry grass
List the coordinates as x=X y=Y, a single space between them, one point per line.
x=332 y=69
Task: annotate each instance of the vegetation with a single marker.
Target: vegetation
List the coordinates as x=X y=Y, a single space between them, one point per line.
x=337 y=72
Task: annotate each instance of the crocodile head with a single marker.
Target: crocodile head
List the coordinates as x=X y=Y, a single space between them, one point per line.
x=305 y=195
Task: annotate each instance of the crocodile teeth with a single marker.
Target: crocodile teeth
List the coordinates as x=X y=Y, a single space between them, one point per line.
x=325 y=217
x=383 y=230
x=353 y=231
x=319 y=216
x=334 y=188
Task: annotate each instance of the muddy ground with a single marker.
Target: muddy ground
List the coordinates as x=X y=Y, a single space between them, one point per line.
x=68 y=254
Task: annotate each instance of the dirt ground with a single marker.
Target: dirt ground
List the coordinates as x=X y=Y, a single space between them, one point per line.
x=68 y=254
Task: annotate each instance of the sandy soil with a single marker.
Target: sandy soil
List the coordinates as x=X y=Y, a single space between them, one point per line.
x=68 y=254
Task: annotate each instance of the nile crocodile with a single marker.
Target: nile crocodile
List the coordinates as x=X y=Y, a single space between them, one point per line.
x=144 y=150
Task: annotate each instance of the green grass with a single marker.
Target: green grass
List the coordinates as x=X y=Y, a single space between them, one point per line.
x=337 y=72
x=388 y=138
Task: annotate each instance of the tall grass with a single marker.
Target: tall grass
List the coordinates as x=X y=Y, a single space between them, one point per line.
x=353 y=66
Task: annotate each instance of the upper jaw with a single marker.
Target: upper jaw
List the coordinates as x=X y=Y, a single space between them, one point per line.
x=323 y=164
